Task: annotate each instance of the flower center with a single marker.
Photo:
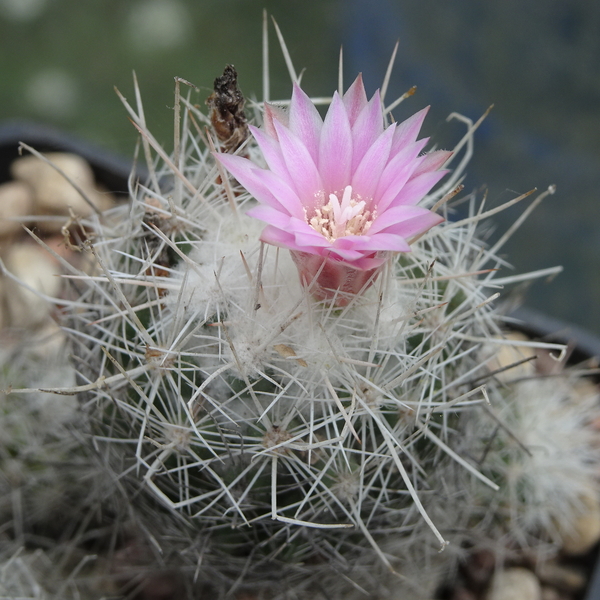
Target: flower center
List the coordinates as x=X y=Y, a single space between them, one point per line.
x=338 y=219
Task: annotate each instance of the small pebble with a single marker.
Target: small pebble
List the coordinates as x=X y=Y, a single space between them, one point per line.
x=16 y=201
x=550 y=593
x=50 y=343
x=515 y=583
x=562 y=577
x=585 y=530
x=53 y=193
x=33 y=266
x=509 y=355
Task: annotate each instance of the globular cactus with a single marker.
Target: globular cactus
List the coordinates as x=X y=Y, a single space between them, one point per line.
x=324 y=428
x=541 y=441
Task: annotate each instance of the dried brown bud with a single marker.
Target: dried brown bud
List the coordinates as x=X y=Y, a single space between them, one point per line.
x=227 y=111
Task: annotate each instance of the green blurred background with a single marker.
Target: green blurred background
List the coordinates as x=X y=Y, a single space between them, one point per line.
x=538 y=61
x=61 y=58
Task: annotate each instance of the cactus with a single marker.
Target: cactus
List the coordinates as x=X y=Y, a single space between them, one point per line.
x=268 y=440
x=542 y=445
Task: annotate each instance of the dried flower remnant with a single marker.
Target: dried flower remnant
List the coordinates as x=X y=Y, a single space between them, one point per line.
x=227 y=111
x=340 y=193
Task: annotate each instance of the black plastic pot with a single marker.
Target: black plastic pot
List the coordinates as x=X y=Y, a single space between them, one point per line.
x=110 y=170
x=538 y=325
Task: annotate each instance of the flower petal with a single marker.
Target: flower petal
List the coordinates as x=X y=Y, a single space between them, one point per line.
x=366 y=176
x=408 y=229
x=278 y=237
x=347 y=254
x=274 y=113
x=408 y=130
x=270 y=215
x=310 y=239
x=406 y=221
x=366 y=129
x=335 y=150
x=271 y=150
x=432 y=161
x=251 y=177
x=416 y=188
x=355 y=99
x=264 y=185
x=284 y=194
x=368 y=262
x=304 y=176
x=364 y=263
x=296 y=236
x=380 y=242
x=396 y=173
x=305 y=121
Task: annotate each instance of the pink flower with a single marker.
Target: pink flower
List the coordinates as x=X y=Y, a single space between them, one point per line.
x=340 y=193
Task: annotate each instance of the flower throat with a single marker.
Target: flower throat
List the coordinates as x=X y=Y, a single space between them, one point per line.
x=338 y=219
